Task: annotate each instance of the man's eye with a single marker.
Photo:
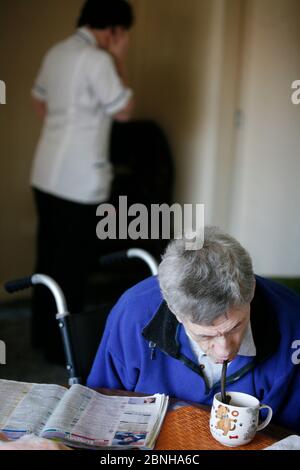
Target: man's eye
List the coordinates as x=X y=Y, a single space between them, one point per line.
x=236 y=327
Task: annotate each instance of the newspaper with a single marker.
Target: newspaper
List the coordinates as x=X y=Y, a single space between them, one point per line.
x=289 y=443
x=80 y=417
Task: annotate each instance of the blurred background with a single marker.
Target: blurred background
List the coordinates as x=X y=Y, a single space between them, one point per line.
x=216 y=76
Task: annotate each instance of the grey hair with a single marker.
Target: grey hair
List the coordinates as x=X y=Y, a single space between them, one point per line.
x=204 y=284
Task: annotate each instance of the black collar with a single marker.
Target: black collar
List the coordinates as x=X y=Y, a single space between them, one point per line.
x=266 y=335
x=162 y=331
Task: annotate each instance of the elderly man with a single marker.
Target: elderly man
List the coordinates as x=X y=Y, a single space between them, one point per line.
x=172 y=334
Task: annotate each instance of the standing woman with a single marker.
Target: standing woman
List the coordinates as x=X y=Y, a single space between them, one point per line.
x=81 y=87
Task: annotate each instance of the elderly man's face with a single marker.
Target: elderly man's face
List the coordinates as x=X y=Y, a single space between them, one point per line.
x=221 y=341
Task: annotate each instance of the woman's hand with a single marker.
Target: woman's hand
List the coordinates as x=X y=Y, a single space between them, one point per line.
x=119 y=44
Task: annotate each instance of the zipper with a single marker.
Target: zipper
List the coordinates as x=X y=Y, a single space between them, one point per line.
x=152 y=347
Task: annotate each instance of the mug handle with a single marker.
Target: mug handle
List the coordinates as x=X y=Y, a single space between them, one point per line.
x=265 y=423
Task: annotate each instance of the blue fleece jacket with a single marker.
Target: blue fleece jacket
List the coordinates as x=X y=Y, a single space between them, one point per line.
x=144 y=349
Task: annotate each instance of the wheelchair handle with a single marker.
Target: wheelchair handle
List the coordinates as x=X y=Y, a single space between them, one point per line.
x=113 y=258
x=122 y=256
x=18 y=285
x=62 y=314
x=146 y=257
x=25 y=283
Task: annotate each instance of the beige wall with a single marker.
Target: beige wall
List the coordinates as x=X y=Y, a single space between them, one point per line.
x=27 y=29
x=185 y=68
x=265 y=204
x=228 y=111
x=175 y=73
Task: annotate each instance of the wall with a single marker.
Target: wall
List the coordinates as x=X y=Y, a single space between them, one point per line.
x=176 y=77
x=196 y=103
x=234 y=130
x=265 y=203
x=27 y=29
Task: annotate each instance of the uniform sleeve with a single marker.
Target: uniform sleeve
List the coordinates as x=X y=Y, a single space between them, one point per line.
x=39 y=89
x=111 y=368
x=108 y=87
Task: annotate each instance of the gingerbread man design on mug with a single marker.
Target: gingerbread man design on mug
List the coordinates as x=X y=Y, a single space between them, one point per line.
x=224 y=422
x=235 y=424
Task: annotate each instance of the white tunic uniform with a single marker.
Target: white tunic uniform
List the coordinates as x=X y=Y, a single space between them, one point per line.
x=81 y=87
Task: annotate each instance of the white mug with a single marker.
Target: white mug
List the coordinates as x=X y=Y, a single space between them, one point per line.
x=236 y=424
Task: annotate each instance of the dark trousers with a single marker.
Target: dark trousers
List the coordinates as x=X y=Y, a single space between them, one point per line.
x=66 y=251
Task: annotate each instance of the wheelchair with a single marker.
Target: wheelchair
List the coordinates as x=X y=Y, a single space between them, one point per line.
x=81 y=333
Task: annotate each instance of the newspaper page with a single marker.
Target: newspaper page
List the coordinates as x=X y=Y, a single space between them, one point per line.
x=85 y=418
x=25 y=408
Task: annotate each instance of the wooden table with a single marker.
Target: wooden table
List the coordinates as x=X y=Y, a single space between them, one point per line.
x=188 y=429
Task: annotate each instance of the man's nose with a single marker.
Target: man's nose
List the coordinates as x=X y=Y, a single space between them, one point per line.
x=222 y=346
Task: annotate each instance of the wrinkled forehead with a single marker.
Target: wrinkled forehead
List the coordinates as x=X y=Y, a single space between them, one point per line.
x=222 y=324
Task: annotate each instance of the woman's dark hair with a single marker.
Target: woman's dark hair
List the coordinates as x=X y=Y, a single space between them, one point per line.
x=102 y=14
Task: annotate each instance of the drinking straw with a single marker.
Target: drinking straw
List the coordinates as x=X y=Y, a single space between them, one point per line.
x=223 y=382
